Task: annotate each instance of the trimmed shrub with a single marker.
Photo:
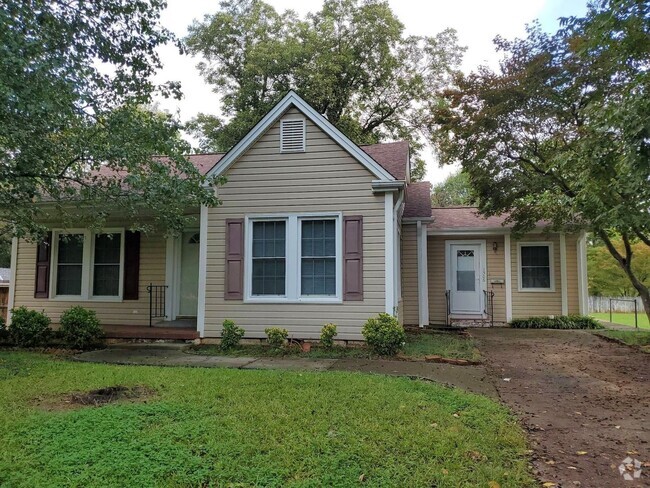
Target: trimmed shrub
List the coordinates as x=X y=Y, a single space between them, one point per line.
x=276 y=336
x=230 y=335
x=29 y=328
x=80 y=328
x=327 y=334
x=559 y=322
x=384 y=335
x=4 y=333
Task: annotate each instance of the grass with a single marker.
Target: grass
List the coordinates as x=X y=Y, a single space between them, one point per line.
x=640 y=338
x=624 y=319
x=222 y=427
x=449 y=345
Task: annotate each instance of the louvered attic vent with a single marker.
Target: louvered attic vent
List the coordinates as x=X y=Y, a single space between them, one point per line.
x=292 y=135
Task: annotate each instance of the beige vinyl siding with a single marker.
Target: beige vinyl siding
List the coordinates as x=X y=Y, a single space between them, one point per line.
x=325 y=178
x=533 y=303
x=129 y=312
x=410 y=308
x=438 y=274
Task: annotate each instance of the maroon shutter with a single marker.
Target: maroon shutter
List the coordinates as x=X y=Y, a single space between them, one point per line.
x=131 y=265
x=43 y=252
x=234 y=289
x=353 y=258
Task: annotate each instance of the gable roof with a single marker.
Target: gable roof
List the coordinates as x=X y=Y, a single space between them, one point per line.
x=393 y=156
x=457 y=218
x=417 y=201
x=292 y=99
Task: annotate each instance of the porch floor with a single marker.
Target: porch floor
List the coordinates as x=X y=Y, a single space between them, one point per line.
x=175 y=330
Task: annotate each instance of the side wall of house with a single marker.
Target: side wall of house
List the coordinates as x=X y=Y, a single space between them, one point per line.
x=410 y=314
x=126 y=312
x=325 y=178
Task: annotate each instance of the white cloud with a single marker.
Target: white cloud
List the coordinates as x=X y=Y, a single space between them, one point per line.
x=477 y=23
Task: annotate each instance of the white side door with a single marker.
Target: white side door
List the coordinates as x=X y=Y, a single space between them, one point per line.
x=465 y=274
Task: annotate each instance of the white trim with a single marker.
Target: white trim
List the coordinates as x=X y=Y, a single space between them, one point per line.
x=170 y=277
x=478 y=231
x=551 y=262
x=563 y=275
x=423 y=276
x=274 y=114
x=482 y=270
x=389 y=255
x=283 y=121
x=87 y=265
x=397 y=253
x=203 y=270
x=582 y=274
x=508 y=268
x=292 y=258
x=12 y=282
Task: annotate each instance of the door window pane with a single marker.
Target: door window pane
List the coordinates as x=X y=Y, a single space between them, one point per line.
x=269 y=265
x=535 y=267
x=69 y=264
x=465 y=272
x=106 y=265
x=318 y=258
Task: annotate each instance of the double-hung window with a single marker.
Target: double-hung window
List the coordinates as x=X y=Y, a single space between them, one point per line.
x=536 y=266
x=88 y=265
x=294 y=258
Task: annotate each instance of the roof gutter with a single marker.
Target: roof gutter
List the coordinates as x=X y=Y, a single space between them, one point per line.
x=383 y=186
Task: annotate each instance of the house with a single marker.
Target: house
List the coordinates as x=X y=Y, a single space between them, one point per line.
x=5 y=279
x=312 y=229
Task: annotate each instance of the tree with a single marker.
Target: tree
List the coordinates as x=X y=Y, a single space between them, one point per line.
x=455 y=191
x=606 y=278
x=351 y=61
x=562 y=131
x=76 y=141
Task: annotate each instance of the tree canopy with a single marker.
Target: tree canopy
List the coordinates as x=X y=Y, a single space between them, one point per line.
x=561 y=131
x=454 y=191
x=606 y=278
x=75 y=136
x=352 y=61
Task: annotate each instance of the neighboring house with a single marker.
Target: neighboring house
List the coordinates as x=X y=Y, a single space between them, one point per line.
x=5 y=279
x=313 y=229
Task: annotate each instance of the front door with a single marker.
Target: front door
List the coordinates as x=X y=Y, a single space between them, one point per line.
x=189 y=285
x=465 y=273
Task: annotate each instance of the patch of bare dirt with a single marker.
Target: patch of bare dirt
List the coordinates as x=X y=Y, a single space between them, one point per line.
x=96 y=398
x=585 y=402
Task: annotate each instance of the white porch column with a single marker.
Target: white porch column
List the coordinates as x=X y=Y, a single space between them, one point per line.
x=423 y=275
x=563 y=275
x=389 y=253
x=508 y=269
x=12 y=283
x=582 y=274
x=203 y=271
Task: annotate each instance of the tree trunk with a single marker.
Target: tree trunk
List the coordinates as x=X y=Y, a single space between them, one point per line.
x=625 y=262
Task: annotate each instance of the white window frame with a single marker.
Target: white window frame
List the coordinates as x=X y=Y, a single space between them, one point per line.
x=88 y=266
x=551 y=263
x=293 y=257
x=304 y=134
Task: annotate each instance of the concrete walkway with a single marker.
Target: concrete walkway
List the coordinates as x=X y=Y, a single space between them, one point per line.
x=470 y=378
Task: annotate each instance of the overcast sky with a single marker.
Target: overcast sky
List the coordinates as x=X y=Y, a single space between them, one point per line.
x=477 y=23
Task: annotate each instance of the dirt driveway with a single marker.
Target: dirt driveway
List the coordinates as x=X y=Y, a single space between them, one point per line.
x=584 y=401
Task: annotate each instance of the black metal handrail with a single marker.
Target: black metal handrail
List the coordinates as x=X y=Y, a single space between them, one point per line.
x=448 y=300
x=488 y=302
x=157 y=299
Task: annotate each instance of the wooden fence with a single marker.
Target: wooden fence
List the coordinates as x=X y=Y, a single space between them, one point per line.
x=601 y=304
x=4 y=300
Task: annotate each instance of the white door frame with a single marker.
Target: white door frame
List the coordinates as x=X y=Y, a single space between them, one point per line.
x=178 y=256
x=173 y=273
x=482 y=270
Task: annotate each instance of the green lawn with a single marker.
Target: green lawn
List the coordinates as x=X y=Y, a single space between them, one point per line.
x=449 y=345
x=223 y=427
x=624 y=318
x=639 y=338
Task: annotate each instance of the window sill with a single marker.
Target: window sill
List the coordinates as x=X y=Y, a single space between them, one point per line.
x=332 y=300
x=68 y=298
x=536 y=290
